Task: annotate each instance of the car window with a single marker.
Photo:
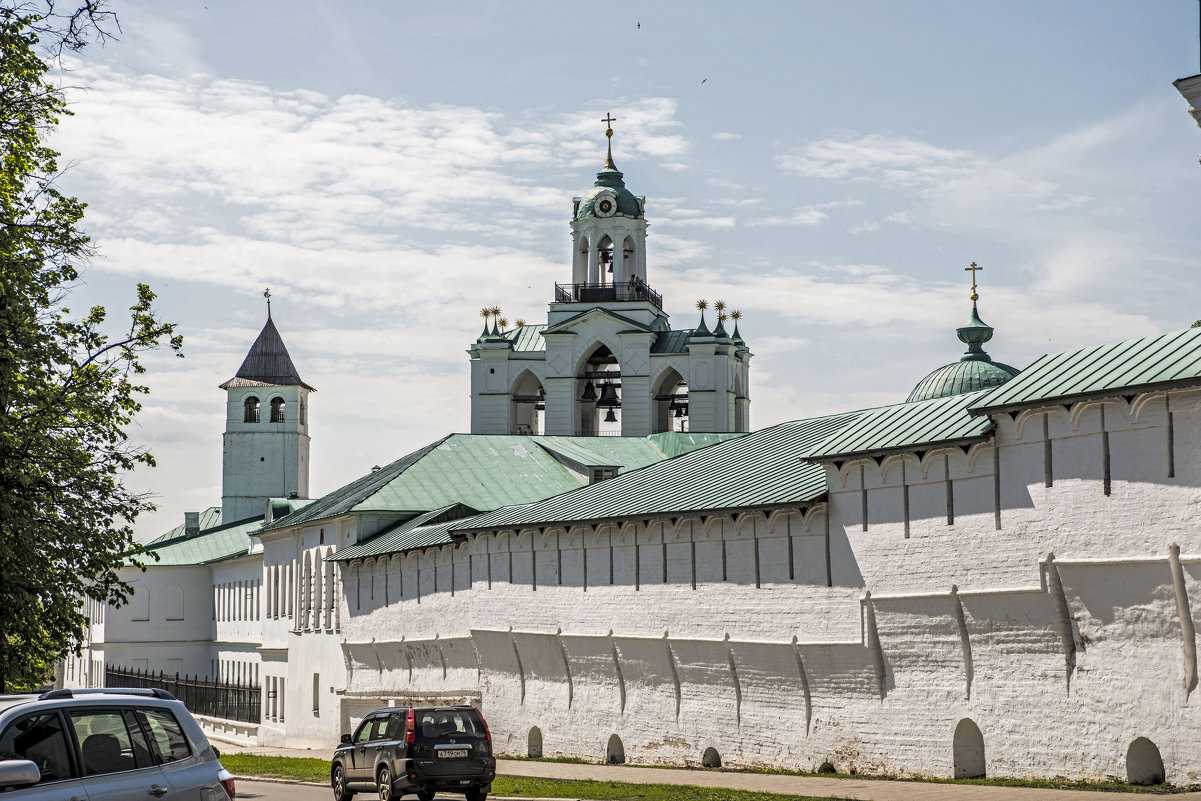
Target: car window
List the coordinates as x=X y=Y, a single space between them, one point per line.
x=104 y=741
x=166 y=737
x=141 y=746
x=396 y=727
x=39 y=738
x=363 y=734
x=437 y=723
x=379 y=729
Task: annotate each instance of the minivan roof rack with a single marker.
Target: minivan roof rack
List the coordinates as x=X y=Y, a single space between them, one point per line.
x=68 y=692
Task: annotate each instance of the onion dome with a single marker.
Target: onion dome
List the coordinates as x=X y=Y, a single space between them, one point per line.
x=609 y=196
x=974 y=370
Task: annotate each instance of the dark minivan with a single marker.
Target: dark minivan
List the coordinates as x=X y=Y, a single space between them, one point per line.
x=422 y=750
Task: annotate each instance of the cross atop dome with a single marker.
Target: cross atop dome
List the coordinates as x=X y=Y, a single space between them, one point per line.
x=608 y=120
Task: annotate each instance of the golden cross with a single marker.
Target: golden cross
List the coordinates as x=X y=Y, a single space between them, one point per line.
x=973 y=269
x=267 y=295
x=608 y=120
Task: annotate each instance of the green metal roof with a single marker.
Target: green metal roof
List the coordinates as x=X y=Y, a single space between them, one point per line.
x=906 y=426
x=526 y=338
x=210 y=545
x=756 y=470
x=610 y=180
x=209 y=518
x=1136 y=364
x=407 y=535
x=672 y=341
x=957 y=378
x=480 y=471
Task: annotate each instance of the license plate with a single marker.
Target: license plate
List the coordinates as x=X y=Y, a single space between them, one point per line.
x=452 y=753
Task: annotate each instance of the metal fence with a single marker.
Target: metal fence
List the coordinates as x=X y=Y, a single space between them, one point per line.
x=232 y=701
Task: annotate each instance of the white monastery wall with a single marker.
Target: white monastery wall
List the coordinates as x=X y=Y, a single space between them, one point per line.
x=1061 y=661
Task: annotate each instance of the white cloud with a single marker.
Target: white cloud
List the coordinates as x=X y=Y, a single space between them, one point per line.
x=811 y=215
x=726 y=136
x=874 y=157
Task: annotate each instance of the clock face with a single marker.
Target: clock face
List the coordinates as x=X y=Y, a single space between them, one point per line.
x=606 y=206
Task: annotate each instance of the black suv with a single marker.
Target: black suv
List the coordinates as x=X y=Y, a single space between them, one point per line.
x=396 y=751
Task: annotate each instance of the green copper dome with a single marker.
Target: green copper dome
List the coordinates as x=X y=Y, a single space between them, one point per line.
x=974 y=370
x=609 y=185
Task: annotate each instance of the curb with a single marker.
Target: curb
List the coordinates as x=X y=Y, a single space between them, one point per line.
x=275 y=780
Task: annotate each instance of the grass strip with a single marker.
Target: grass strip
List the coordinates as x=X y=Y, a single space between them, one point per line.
x=299 y=769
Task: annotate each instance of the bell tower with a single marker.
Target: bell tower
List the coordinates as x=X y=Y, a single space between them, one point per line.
x=265 y=452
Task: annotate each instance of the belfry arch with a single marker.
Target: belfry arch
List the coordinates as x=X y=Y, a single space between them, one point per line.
x=527 y=412
x=670 y=402
x=598 y=394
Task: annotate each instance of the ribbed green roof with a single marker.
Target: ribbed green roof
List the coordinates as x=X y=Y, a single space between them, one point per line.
x=209 y=518
x=420 y=531
x=526 y=338
x=762 y=469
x=960 y=377
x=210 y=545
x=609 y=181
x=906 y=426
x=674 y=341
x=477 y=470
x=1135 y=364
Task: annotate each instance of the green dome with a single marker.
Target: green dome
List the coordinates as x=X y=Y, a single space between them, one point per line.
x=974 y=370
x=961 y=377
x=609 y=183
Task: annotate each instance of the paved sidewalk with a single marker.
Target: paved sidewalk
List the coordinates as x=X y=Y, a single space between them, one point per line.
x=860 y=789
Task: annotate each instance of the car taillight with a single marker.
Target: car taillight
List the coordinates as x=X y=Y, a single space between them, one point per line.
x=487 y=732
x=230 y=788
x=410 y=727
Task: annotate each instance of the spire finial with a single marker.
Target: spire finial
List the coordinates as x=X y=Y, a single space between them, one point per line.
x=608 y=120
x=267 y=295
x=973 y=269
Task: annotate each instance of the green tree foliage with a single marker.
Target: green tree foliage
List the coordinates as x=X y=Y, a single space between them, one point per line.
x=69 y=384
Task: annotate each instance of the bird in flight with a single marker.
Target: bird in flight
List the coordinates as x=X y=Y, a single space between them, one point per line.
x=704 y=81
x=637 y=25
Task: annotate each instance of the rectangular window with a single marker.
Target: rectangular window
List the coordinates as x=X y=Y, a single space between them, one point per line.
x=283 y=698
x=166 y=737
x=39 y=738
x=317 y=694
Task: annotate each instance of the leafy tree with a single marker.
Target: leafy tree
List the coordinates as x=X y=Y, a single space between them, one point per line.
x=69 y=384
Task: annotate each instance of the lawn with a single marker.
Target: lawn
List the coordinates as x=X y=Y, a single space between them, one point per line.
x=307 y=769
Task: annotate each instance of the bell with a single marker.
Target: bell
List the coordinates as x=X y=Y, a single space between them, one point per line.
x=608 y=397
x=679 y=411
x=540 y=407
x=589 y=392
x=610 y=417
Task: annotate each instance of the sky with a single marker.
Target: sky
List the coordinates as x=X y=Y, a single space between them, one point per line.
x=827 y=168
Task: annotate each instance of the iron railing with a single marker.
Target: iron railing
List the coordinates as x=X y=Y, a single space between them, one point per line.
x=218 y=699
x=635 y=289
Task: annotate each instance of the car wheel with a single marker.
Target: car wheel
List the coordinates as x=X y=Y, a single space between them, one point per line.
x=384 y=780
x=338 y=782
x=476 y=794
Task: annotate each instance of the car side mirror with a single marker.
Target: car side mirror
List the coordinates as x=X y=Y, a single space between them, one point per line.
x=345 y=739
x=216 y=753
x=19 y=773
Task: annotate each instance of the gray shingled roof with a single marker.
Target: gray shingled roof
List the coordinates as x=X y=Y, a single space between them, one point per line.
x=268 y=363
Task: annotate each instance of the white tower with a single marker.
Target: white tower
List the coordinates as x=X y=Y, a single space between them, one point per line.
x=266 y=446
x=607 y=360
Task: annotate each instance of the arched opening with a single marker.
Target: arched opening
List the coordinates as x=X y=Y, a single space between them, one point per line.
x=671 y=402
x=968 y=750
x=250 y=409
x=740 y=404
x=629 y=260
x=598 y=388
x=711 y=759
x=277 y=410
x=605 y=260
x=615 y=752
x=1144 y=765
x=528 y=414
x=533 y=743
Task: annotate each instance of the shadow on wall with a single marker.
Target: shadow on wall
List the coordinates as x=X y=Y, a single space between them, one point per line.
x=968 y=750
x=1144 y=765
x=615 y=752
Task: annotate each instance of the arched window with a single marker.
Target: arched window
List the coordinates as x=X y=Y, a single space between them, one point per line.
x=533 y=745
x=615 y=752
x=277 y=410
x=528 y=412
x=710 y=758
x=671 y=403
x=1144 y=765
x=250 y=408
x=968 y=750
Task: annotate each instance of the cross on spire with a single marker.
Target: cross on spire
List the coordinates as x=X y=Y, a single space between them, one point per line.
x=973 y=269
x=267 y=295
x=608 y=120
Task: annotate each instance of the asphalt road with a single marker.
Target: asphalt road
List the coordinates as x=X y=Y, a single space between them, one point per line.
x=270 y=791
